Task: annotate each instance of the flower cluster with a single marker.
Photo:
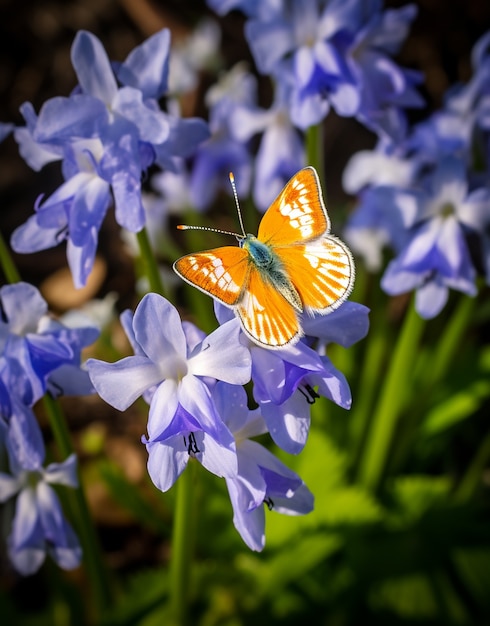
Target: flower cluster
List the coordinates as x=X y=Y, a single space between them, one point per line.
x=428 y=197
x=106 y=134
x=198 y=407
x=335 y=54
x=320 y=55
x=38 y=355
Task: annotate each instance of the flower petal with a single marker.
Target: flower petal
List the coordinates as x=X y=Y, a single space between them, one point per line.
x=93 y=68
x=166 y=462
x=121 y=383
x=222 y=356
x=158 y=328
x=146 y=66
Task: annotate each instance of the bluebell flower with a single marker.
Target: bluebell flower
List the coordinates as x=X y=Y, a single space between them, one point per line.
x=437 y=256
x=5 y=130
x=74 y=212
x=35 y=346
x=38 y=525
x=251 y=8
x=222 y=153
x=174 y=368
x=338 y=54
x=397 y=180
x=198 y=51
x=281 y=151
x=288 y=381
x=21 y=433
x=261 y=480
x=107 y=133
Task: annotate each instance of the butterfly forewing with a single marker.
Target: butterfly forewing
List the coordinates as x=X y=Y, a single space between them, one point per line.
x=265 y=315
x=322 y=272
x=221 y=272
x=297 y=214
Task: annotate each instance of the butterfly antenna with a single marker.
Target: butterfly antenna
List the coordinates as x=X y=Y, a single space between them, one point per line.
x=218 y=230
x=235 y=195
x=209 y=229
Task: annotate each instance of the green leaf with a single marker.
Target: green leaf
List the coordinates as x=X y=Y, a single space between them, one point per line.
x=455 y=408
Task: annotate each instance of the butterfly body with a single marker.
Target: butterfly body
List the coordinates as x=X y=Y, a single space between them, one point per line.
x=271 y=268
x=293 y=266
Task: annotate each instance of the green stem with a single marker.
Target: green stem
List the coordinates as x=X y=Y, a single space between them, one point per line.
x=88 y=537
x=443 y=356
x=362 y=411
x=8 y=266
x=441 y=359
x=315 y=149
x=473 y=477
x=392 y=396
x=151 y=265
x=182 y=546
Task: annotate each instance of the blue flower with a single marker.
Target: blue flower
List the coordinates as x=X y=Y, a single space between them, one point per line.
x=261 y=478
x=5 y=130
x=20 y=430
x=107 y=134
x=175 y=368
x=35 y=346
x=437 y=256
x=337 y=54
x=199 y=51
x=249 y=7
x=38 y=524
x=280 y=153
x=74 y=212
x=288 y=381
x=222 y=153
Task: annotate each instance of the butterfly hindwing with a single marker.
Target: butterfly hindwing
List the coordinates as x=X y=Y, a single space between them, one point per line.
x=297 y=214
x=322 y=271
x=221 y=272
x=265 y=315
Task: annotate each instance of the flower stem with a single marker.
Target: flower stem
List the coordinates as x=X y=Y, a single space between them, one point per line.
x=151 y=265
x=8 y=266
x=182 y=546
x=443 y=355
x=391 y=399
x=84 y=524
x=314 y=149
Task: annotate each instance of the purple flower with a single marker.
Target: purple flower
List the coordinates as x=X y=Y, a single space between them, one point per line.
x=198 y=51
x=5 y=130
x=280 y=154
x=35 y=346
x=437 y=256
x=38 y=524
x=107 y=134
x=337 y=54
x=222 y=153
x=261 y=478
x=175 y=369
x=74 y=212
x=21 y=433
x=288 y=381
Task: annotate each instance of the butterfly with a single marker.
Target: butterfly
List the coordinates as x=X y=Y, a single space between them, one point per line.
x=293 y=266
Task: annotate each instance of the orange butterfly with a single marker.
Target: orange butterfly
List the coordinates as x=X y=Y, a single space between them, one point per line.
x=293 y=266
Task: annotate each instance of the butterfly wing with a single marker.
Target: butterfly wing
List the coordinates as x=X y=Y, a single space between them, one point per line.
x=322 y=271
x=297 y=214
x=222 y=272
x=266 y=317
